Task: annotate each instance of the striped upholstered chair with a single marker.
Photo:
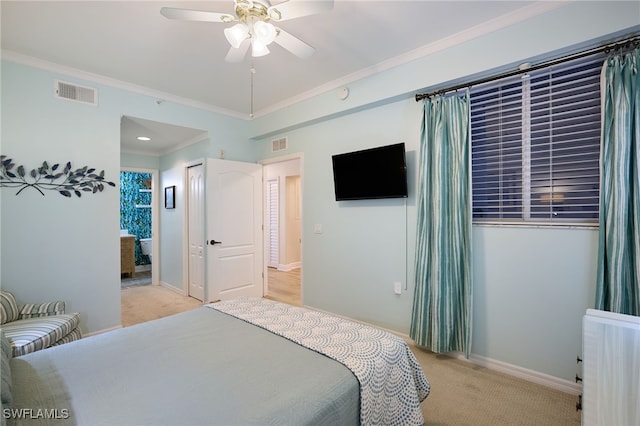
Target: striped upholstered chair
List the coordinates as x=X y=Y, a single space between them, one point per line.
x=32 y=327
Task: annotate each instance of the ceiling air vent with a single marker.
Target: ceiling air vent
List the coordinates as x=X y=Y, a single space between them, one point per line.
x=278 y=144
x=76 y=93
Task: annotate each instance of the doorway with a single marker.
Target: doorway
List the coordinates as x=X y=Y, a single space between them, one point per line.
x=138 y=223
x=224 y=250
x=283 y=229
x=143 y=143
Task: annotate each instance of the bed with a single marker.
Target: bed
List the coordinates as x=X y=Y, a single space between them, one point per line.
x=239 y=362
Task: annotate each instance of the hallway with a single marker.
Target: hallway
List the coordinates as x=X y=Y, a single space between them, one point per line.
x=284 y=286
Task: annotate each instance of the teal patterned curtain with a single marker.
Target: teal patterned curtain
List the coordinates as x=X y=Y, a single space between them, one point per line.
x=441 y=317
x=618 y=285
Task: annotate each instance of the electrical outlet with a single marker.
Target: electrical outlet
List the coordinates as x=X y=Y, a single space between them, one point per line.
x=397 y=287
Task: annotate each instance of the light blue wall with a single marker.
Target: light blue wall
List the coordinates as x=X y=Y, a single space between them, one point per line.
x=52 y=247
x=524 y=315
x=547 y=35
x=365 y=245
x=138 y=161
x=171 y=220
x=531 y=285
x=531 y=289
x=59 y=248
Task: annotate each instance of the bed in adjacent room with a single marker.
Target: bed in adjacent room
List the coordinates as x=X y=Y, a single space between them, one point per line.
x=243 y=361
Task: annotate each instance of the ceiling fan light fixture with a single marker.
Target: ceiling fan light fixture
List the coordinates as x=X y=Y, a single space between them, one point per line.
x=236 y=35
x=258 y=48
x=252 y=25
x=264 y=32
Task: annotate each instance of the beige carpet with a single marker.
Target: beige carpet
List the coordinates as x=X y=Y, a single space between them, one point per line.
x=464 y=394
x=149 y=302
x=461 y=393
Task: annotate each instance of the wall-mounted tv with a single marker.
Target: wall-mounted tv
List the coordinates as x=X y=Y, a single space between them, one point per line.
x=371 y=173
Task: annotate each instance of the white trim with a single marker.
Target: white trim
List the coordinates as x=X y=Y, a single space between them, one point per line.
x=194 y=163
x=19 y=58
x=537 y=377
x=496 y=24
x=281 y=159
x=139 y=152
x=174 y=289
x=104 y=330
x=201 y=137
x=503 y=21
x=533 y=376
x=289 y=266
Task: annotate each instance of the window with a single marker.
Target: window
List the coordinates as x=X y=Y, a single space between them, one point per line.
x=535 y=145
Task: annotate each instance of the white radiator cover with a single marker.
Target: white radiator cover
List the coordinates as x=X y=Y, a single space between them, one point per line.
x=611 y=369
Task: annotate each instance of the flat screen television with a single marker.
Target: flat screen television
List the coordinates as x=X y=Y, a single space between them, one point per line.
x=371 y=173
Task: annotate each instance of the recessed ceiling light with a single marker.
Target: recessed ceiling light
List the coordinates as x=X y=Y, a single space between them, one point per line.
x=143 y=138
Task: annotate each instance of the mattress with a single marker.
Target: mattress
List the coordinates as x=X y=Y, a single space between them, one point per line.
x=201 y=367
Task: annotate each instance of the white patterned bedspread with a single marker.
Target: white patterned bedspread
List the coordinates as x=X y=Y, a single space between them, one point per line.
x=392 y=383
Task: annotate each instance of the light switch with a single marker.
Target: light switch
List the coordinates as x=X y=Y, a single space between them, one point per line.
x=317 y=228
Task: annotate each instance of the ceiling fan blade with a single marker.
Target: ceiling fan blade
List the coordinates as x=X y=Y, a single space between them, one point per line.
x=294 y=9
x=196 y=15
x=293 y=44
x=237 y=55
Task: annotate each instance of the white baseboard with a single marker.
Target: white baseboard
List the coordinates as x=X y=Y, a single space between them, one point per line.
x=522 y=373
x=289 y=266
x=105 y=330
x=533 y=376
x=168 y=286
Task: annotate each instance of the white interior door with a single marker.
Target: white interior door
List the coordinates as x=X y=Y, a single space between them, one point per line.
x=196 y=225
x=234 y=230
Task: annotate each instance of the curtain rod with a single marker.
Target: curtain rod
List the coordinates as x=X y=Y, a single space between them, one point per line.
x=611 y=46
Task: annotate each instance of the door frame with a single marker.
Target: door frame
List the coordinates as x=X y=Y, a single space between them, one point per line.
x=155 y=218
x=281 y=159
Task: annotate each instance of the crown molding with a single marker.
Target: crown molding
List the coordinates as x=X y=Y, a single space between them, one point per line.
x=519 y=15
x=488 y=27
x=160 y=96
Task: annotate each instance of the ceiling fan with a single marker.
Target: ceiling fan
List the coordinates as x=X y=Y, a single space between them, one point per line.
x=254 y=27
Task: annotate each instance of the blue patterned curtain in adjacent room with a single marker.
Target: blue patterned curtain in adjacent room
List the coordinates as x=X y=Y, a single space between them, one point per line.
x=618 y=281
x=441 y=317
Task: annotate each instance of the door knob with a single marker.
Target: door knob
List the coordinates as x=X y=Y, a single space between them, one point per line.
x=214 y=242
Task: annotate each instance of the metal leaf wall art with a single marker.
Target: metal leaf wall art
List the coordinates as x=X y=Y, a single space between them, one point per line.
x=64 y=180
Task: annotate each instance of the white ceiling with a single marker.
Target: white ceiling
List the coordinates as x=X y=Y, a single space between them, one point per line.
x=130 y=42
x=164 y=137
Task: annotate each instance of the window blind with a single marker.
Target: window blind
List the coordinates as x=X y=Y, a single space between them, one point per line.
x=535 y=145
